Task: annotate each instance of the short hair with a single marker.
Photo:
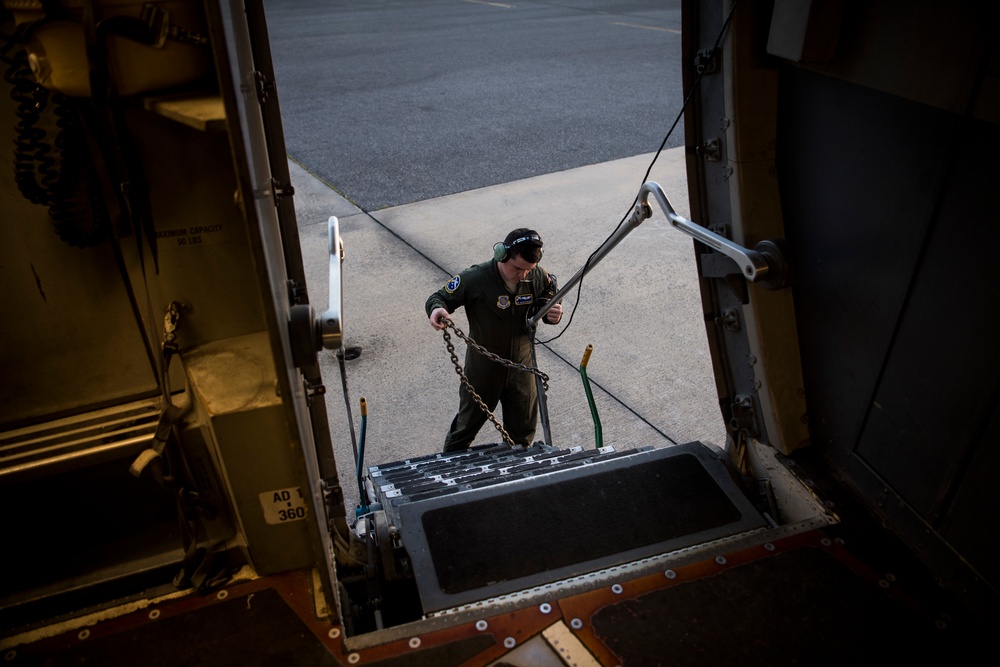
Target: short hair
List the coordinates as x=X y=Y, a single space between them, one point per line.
x=525 y=243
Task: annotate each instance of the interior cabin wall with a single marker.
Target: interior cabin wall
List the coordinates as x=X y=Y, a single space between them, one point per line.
x=69 y=334
x=85 y=321
x=890 y=225
x=896 y=302
x=86 y=291
x=875 y=124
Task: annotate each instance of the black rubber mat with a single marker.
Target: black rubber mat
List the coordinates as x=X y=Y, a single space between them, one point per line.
x=798 y=608
x=584 y=519
x=497 y=539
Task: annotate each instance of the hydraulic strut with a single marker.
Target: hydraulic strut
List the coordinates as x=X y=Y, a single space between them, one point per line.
x=765 y=264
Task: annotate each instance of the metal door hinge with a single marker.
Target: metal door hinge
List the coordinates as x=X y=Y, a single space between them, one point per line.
x=279 y=190
x=265 y=86
x=313 y=389
x=744 y=416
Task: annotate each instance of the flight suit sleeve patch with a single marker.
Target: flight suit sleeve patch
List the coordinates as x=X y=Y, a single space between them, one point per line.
x=453 y=285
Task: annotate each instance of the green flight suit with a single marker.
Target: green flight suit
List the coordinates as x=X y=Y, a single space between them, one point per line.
x=497 y=319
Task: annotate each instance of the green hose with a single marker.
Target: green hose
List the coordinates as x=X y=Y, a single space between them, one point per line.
x=598 y=434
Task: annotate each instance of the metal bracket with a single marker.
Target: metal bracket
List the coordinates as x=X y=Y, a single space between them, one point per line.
x=170 y=321
x=711 y=150
x=729 y=320
x=705 y=62
x=313 y=389
x=743 y=415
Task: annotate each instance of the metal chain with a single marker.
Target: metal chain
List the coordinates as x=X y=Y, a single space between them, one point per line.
x=495 y=357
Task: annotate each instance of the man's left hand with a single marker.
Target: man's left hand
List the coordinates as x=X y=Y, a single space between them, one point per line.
x=555 y=314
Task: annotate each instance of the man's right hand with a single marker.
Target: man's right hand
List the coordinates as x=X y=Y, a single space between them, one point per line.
x=438 y=317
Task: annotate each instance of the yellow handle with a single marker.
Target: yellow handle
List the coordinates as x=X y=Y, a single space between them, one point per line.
x=586 y=355
x=364 y=407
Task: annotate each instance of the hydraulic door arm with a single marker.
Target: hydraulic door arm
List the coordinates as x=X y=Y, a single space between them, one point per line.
x=765 y=264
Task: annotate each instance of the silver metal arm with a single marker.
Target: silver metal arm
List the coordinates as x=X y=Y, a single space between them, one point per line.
x=753 y=264
x=332 y=321
x=767 y=267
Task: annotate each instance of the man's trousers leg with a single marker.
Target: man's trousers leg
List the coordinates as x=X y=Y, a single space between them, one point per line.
x=470 y=418
x=520 y=407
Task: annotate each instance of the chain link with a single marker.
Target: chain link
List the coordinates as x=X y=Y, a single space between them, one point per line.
x=496 y=357
x=490 y=355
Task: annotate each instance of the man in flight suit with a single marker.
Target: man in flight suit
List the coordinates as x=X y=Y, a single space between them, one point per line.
x=498 y=295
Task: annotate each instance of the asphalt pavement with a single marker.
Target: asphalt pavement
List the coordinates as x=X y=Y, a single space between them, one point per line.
x=399 y=101
x=650 y=370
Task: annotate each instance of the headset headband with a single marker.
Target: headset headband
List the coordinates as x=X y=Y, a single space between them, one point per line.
x=522 y=239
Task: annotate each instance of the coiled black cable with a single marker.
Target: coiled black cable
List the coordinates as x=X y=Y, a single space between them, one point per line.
x=79 y=213
x=52 y=174
x=30 y=148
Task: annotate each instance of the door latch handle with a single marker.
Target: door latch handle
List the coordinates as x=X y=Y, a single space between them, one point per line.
x=331 y=322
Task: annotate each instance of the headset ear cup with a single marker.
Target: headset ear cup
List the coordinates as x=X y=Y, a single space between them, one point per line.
x=500 y=252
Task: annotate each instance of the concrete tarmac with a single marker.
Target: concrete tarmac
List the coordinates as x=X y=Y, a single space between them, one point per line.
x=650 y=371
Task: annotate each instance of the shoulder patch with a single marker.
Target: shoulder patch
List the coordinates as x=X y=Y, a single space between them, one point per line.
x=453 y=284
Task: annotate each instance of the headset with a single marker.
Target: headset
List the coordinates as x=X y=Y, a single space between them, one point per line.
x=501 y=251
